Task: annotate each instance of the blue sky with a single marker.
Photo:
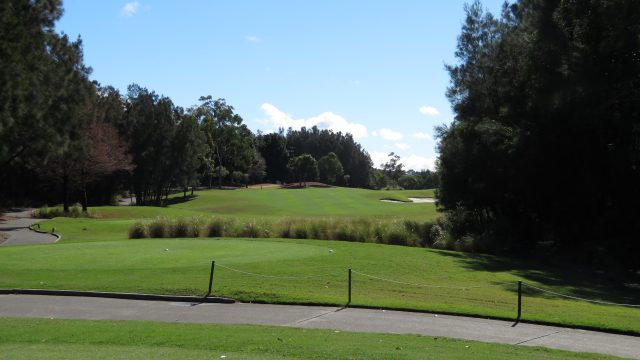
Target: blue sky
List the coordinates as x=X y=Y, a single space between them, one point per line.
x=371 y=68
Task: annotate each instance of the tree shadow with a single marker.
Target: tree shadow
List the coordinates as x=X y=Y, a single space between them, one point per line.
x=179 y=200
x=569 y=280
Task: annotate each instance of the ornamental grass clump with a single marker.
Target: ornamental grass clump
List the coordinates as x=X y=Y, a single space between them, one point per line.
x=159 y=228
x=138 y=231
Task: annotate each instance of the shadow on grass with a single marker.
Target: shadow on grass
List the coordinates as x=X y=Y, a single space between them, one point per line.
x=569 y=280
x=179 y=200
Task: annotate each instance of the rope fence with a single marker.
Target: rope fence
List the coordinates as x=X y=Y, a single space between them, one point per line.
x=350 y=271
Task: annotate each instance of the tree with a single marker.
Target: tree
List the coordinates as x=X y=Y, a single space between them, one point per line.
x=330 y=168
x=409 y=182
x=229 y=141
x=393 y=168
x=257 y=169
x=105 y=153
x=548 y=88
x=317 y=143
x=303 y=168
x=378 y=180
x=188 y=149
x=43 y=82
x=273 y=148
x=151 y=150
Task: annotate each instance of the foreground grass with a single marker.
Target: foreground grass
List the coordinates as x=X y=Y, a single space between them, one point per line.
x=81 y=339
x=315 y=272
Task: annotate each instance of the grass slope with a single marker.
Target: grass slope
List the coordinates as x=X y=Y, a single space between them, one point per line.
x=314 y=274
x=77 y=339
x=274 y=202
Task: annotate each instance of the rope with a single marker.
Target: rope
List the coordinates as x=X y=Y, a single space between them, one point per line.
x=274 y=276
x=432 y=286
x=578 y=298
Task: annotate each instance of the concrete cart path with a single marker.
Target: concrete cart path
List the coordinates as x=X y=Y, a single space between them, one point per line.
x=16 y=225
x=362 y=320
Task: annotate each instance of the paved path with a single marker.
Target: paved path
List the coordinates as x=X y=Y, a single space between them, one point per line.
x=16 y=225
x=363 y=320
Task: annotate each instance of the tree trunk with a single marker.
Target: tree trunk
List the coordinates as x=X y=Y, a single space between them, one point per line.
x=84 y=197
x=65 y=191
x=192 y=190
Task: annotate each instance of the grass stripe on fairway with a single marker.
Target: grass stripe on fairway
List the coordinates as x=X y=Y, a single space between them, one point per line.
x=181 y=266
x=77 y=339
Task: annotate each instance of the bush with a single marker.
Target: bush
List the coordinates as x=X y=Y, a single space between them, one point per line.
x=159 y=228
x=407 y=233
x=181 y=228
x=215 y=228
x=138 y=231
x=45 y=212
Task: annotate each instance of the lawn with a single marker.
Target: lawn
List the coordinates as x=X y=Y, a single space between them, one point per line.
x=313 y=271
x=275 y=202
x=95 y=254
x=81 y=339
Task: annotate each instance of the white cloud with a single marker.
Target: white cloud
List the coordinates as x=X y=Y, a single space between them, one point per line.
x=130 y=8
x=402 y=146
x=411 y=162
x=374 y=133
x=389 y=134
x=378 y=158
x=417 y=162
x=421 y=136
x=326 y=120
x=429 y=111
x=252 y=38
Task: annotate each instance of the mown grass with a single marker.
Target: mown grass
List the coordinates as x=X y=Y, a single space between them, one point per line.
x=181 y=266
x=82 y=339
x=274 y=202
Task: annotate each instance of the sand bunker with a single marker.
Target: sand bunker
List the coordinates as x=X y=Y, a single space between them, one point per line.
x=413 y=201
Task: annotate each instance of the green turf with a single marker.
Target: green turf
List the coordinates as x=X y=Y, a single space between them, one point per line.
x=274 y=202
x=78 y=339
x=181 y=266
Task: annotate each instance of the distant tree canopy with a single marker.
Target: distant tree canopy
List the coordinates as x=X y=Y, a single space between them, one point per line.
x=65 y=139
x=543 y=156
x=278 y=148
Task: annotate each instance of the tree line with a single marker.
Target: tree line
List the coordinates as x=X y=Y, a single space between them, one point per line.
x=64 y=138
x=543 y=157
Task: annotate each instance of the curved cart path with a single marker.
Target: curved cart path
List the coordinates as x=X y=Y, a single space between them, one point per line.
x=349 y=319
x=16 y=224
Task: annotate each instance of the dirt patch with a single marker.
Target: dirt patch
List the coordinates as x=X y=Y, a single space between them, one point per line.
x=312 y=184
x=3 y=237
x=264 y=186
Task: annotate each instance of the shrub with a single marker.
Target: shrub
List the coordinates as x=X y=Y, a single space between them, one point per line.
x=181 y=228
x=138 y=231
x=45 y=212
x=215 y=227
x=195 y=227
x=159 y=228
x=300 y=231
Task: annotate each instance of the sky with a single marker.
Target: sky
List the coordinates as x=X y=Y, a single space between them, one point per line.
x=372 y=68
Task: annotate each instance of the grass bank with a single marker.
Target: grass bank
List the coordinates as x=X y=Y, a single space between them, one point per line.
x=312 y=271
x=78 y=339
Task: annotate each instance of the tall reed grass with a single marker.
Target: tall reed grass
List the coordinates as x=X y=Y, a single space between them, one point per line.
x=394 y=232
x=45 y=212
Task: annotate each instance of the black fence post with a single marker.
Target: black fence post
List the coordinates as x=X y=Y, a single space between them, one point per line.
x=519 y=301
x=213 y=267
x=349 y=298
